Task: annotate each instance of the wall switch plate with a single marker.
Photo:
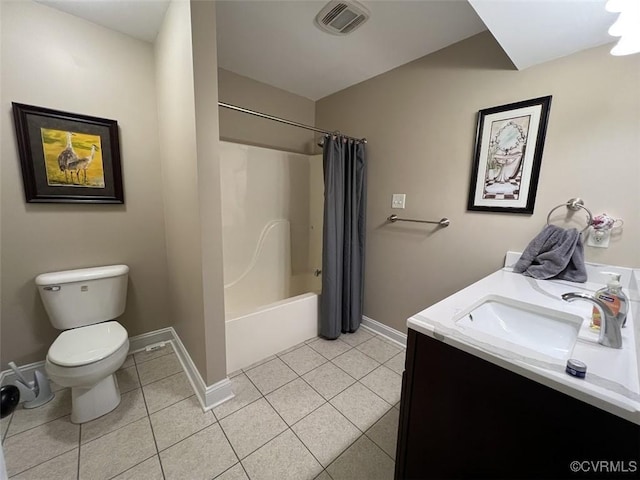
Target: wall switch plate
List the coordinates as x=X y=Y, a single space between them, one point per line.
x=601 y=240
x=397 y=200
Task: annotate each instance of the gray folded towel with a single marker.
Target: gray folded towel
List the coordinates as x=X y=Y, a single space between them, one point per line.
x=554 y=253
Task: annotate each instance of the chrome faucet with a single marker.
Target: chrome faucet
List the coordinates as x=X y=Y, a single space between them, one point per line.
x=610 y=327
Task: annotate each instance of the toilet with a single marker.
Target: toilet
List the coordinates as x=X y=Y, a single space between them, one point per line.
x=93 y=346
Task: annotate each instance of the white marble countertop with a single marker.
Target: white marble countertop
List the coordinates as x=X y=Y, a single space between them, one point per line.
x=613 y=380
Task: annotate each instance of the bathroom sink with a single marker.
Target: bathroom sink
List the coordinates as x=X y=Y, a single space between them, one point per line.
x=552 y=333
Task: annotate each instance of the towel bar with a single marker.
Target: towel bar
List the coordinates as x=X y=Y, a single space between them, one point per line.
x=443 y=222
x=574 y=204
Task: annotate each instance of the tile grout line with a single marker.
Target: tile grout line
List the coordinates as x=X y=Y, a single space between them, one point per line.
x=161 y=378
x=358 y=380
x=375 y=393
x=225 y=433
x=300 y=375
x=188 y=436
x=261 y=395
x=328 y=474
x=146 y=407
x=290 y=427
x=4 y=435
x=121 y=426
x=342 y=453
x=225 y=471
x=335 y=356
x=126 y=424
x=285 y=422
x=79 y=448
x=134 y=466
x=376 y=443
x=171 y=404
x=381 y=363
x=45 y=461
x=232 y=448
x=291 y=349
x=236 y=411
x=40 y=425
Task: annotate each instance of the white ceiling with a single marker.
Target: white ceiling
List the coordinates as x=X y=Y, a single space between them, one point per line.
x=137 y=18
x=276 y=42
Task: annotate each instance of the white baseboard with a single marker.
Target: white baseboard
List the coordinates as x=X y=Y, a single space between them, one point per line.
x=382 y=329
x=140 y=342
x=209 y=396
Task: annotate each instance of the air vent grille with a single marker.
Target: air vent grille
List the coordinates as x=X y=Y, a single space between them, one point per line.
x=353 y=25
x=335 y=11
x=340 y=17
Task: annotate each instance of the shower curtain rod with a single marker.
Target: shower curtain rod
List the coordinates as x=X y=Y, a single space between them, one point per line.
x=288 y=122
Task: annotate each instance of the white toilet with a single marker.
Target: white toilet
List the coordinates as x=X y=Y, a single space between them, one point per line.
x=92 y=347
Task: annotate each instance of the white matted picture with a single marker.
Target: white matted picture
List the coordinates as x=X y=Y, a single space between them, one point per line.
x=508 y=155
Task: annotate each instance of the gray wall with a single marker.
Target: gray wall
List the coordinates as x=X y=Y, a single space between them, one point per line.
x=76 y=66
x=191 y=185
x=243 y=128
x=420 y=120
x=205 y=66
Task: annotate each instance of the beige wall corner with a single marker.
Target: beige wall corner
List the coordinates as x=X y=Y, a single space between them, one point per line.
x=203 y=20
x=76 y=66
x=178 y=156
x=243 y=128
x=420 y=120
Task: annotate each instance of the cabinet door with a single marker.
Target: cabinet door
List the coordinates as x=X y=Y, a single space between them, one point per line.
x=468 y=418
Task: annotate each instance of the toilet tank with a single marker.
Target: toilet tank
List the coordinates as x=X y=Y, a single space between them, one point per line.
x=76 y=298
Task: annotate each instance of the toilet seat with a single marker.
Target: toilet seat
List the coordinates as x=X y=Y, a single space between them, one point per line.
x=86 y=345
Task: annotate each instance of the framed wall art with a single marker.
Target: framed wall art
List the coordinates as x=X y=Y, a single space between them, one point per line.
x=68 y=157
x=508 y=154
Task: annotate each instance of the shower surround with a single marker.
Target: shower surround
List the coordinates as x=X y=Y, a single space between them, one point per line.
x=272 y=239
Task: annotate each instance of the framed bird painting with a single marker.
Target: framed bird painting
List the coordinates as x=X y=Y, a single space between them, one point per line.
x=68 y=157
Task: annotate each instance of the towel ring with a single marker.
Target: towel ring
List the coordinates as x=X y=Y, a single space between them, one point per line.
x=574 y=204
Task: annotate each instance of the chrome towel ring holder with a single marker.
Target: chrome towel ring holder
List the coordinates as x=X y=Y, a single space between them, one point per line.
x=574 y=204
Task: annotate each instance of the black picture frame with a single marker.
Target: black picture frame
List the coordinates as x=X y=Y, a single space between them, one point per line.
x=508 y=156
x=55 y=146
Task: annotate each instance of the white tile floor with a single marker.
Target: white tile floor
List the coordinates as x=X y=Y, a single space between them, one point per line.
x=323 y=409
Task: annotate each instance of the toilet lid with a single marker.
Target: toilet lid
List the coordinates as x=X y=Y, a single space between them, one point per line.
x=85 y=345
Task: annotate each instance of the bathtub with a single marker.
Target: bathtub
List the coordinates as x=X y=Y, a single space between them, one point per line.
x=266 y=310
x=272 y=204
x=256 y=335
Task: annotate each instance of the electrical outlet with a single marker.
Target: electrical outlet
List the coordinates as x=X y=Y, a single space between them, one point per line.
x=397 y=200
x=599 y=238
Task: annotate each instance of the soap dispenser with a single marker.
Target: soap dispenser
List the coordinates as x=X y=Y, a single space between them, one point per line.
x=615 y=298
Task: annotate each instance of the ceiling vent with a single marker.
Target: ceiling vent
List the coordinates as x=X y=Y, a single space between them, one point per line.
x=340 y=17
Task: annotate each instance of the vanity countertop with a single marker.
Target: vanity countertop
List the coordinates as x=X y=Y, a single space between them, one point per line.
x=613 y=380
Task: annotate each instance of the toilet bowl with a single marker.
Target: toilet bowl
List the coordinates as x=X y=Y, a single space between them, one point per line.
x=86 y=359
x=93 y=346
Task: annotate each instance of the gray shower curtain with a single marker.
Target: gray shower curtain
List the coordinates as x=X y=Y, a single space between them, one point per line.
x=343 y=239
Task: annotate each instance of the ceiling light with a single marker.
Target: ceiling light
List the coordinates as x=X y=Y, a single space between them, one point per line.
x=627 y=45
x=627 y=26
x=615 y=6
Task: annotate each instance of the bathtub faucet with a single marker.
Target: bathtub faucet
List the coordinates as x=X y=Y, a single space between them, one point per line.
x=610 y=328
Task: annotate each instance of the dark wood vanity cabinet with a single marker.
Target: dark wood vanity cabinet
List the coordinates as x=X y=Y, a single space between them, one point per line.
x=464 y=417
